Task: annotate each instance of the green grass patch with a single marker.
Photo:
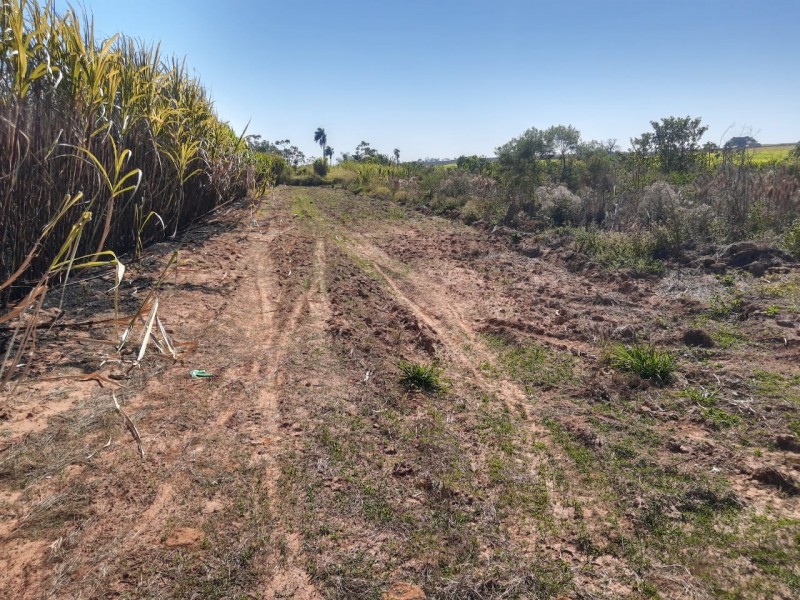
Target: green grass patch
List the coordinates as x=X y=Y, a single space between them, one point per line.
x=583 y=457
x=787 y=287
x=723 y=306
x=303 y=206
x=426 y=378
x=531 y=364
x=646 y=361
x=776 y=385
x=708 y=401
x=727 y=337
x=616 y=250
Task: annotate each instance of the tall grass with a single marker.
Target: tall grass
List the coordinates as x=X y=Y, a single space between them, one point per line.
x=104 y=145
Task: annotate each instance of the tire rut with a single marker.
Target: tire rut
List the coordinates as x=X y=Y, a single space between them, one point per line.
x=461 y=341
x=288 y=579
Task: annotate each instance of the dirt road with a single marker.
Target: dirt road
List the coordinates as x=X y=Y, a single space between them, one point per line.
x=305 y=468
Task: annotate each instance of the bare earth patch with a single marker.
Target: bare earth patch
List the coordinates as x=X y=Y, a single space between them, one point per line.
x=307 y=468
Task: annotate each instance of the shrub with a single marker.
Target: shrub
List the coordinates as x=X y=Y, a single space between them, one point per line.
x=320 y=167
x=791 y=239
x=309 y=179
x=269 y=169
x=559 y=206
x=644 y=360
x=382 y=192
x=483 y=208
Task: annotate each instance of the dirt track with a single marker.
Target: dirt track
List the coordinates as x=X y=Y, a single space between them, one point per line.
x=305 y=469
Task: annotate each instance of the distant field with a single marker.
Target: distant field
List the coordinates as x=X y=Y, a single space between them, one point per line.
x=764 y=155
x=773 y=153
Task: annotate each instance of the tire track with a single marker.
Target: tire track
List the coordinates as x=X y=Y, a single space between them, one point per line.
x=461 y=341
x=289 y=579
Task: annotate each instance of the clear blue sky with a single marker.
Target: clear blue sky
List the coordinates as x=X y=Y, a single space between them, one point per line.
x=442 y=78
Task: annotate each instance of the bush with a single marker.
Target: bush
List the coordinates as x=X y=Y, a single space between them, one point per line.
x=309 y=179
x=483 y=208
x=320 y=167
x=269 y=169
x=342 y=177
x=559 y=206
x=382 y=192
x=791 y=239
x=615 y=250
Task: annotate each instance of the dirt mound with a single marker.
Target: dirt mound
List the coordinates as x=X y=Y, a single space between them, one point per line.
x=755 y=258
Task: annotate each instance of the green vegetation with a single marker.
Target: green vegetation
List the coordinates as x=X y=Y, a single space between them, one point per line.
x=708 y=401
x=620 y=251
x=531 y=364
x=116 y=146
x=426 y=378
x=628 y=209
x=791 y=239
x=646 y=361
x=674 y=140
x=722 y=306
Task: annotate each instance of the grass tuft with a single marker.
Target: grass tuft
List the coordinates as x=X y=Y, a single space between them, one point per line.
x=427 y=378
x=644 y=360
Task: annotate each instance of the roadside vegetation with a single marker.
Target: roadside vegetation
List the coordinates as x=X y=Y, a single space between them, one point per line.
x=669 y=196
x=108 y=145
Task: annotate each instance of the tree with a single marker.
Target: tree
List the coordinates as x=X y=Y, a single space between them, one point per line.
x=292 y=154
x=364 y=151
x=565 y=140
x=796 y=152
x=396 y=156
x=601 y=160
x=328 y=153
x=321 y=139
x=479 y=165
x=741 y=143
x=521 y=157
x=676 y=141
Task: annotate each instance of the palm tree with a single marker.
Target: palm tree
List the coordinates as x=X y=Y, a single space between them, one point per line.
x=328 y=153
x=396 y=156
x=321 y=139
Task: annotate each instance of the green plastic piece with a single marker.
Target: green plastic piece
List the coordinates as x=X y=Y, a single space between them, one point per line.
x=200 y=374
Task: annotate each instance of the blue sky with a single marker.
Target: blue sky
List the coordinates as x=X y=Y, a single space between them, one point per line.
x=442 y=78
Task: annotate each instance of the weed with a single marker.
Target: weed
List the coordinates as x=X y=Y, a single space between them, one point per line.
x=500 y=431
x=727 y=337
x=719 y=418
x=727 y=280
x=708 y=401
x=620 y=251
x=786 y=288
x=722 y=307
x=776 y=385
x=703 y=396
x=583 y=457
x=791 y=239
x=427 y=378
x=773 y=310
x=644 y=360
